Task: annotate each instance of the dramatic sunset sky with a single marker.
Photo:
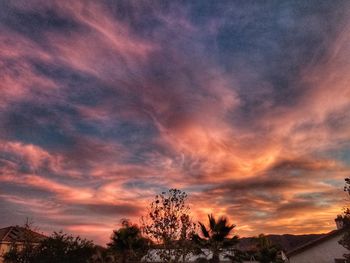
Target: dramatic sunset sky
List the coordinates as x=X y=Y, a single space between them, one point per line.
x=245 y=105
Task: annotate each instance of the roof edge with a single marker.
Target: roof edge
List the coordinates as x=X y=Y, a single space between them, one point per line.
x=315 y=242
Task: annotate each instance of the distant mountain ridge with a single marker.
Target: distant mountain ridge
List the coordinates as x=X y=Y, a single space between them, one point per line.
x=287 y=242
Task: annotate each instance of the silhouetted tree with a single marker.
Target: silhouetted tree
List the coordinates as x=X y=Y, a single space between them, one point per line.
x=61 y=247
x=217 y=236
x=345 y=218
x=128 y=242
x=168 y=223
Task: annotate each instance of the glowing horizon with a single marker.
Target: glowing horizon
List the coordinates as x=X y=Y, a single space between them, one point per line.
x=244 y=106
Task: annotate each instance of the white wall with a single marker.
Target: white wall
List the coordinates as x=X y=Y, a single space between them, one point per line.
x=324 y=252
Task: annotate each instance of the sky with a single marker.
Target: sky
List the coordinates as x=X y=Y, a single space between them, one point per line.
x=244 y=105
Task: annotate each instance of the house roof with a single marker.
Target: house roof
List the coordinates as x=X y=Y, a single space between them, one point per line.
x=286 y=242
x=313 y=243
x=19 y=234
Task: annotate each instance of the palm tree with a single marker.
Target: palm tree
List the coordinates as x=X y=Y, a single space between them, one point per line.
x=217 y=237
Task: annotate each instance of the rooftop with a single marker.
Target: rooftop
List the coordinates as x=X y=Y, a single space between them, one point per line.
x=19 y=234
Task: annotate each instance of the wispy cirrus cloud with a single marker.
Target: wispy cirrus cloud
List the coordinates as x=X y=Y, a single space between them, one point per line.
x=104 y=104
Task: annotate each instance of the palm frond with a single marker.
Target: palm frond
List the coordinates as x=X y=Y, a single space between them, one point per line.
x=212 y=222
x=204 y=230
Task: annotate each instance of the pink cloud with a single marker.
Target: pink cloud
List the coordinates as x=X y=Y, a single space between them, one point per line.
x=190 y=107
